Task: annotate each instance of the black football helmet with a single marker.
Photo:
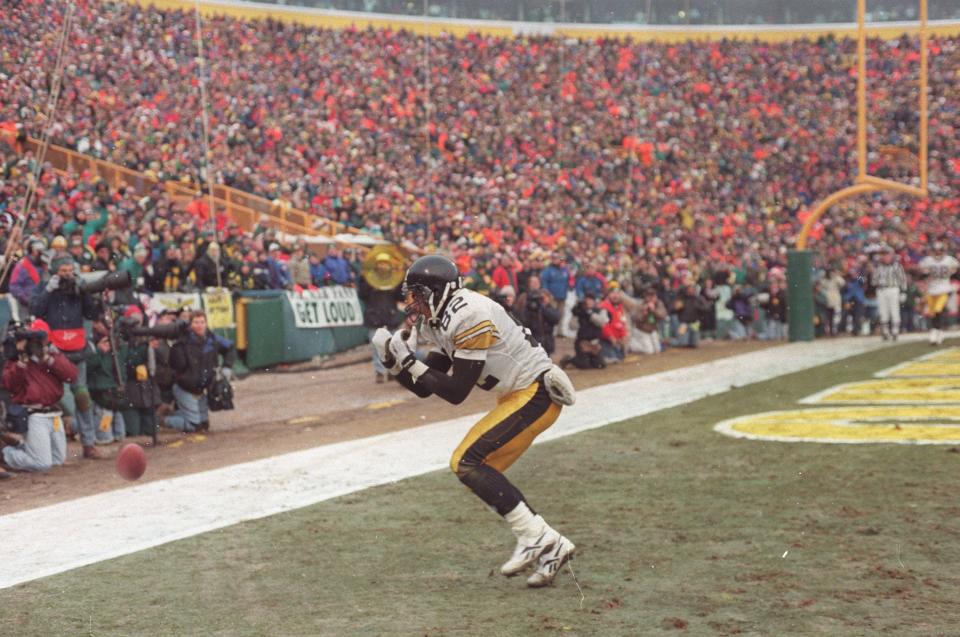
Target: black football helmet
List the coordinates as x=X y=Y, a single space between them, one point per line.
x=431 y=280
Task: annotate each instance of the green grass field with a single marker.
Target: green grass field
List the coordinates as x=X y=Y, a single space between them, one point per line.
x=680 y=530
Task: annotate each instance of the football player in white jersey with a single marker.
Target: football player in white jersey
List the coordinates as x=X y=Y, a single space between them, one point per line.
x=473 y=341
x=938 y=267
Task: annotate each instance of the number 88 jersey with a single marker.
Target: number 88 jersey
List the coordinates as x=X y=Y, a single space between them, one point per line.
x=473 y=327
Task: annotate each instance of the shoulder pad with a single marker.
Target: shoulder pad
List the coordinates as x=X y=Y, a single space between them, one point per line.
x=471 y=325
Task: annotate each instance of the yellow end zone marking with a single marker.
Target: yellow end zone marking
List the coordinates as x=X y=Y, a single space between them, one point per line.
x=940 y=363
x=906 y=390
x=903 y=424
x=949 y=355
x=385 y=404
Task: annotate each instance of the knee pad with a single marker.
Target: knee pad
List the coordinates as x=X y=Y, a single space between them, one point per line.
x=82 y=397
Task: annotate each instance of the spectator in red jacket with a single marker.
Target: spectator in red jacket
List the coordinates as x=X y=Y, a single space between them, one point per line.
x=615 y=335
x=34 y=374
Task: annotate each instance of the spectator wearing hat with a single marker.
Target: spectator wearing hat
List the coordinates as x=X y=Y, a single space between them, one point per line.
x=27 y=275
x=277 y=273
x=210 y=268
x=137 y=265
x=59 y=304
x=299 y=266
x=104 y=259
x=78 y=250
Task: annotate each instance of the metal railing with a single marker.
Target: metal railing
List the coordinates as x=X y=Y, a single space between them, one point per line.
x=244 y=209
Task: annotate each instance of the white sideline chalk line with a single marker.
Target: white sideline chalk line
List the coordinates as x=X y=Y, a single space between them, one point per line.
x=123 y=521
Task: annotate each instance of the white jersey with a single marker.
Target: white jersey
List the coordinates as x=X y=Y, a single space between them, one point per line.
x=939 y=270
x=473 y=327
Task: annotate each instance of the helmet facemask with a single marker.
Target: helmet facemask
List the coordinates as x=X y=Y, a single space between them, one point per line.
x=422 y=297
x=417 y=298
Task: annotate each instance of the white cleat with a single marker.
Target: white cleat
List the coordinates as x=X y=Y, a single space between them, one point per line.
x=528 y=550
x=551 y=562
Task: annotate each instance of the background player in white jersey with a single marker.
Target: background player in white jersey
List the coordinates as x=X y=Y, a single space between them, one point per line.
x=938 y=267
x=473 y=341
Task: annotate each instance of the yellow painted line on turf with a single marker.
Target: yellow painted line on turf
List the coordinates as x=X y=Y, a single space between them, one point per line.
x=913 y=391
x=901 y=424
x=950 y=355
x=940 y=363
x=385 y=404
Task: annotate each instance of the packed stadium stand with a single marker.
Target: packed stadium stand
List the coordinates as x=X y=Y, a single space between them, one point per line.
x=679 y=160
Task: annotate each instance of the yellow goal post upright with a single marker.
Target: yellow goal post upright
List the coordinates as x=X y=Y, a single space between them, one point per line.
x=800 y=303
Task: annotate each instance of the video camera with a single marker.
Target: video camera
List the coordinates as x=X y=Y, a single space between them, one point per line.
x=15 y=332
x=96 y=282
x=170 y=331
x=534 y=300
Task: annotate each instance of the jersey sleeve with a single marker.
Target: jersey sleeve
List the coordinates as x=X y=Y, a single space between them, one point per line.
x=473 y=333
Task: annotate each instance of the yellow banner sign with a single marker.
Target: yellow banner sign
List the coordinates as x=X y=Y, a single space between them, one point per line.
x=218 y=305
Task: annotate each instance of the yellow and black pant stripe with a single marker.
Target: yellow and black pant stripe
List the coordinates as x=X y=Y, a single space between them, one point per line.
x=936 y=304
x=498 y=440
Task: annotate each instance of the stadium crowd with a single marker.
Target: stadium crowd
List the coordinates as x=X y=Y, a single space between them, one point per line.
x=663 y=183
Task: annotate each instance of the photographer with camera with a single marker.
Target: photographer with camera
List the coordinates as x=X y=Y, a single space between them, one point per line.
x=106 y=378
x=34 y=373
x=147 y=364
x=591 y=319
x=646 y=316
x=537 y=310
x=64 y=307
x=195 y=360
